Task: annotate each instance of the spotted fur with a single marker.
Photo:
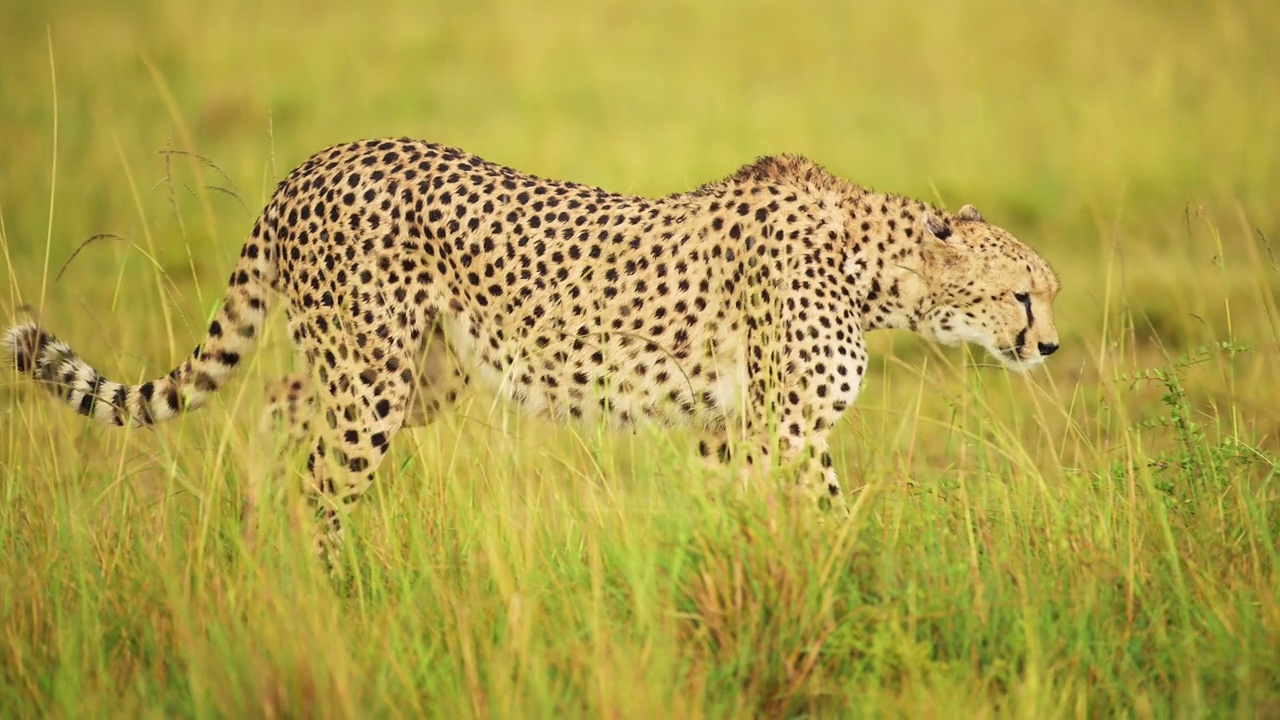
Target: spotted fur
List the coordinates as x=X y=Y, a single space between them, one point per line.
x=412 y=272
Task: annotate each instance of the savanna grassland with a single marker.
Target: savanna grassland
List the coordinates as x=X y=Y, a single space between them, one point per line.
x=1096 y=538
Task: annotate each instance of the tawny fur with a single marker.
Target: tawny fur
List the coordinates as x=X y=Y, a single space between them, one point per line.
x=413 y=272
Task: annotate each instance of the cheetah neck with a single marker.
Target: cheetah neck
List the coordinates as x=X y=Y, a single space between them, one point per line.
x=885 y=262
x=879 y=252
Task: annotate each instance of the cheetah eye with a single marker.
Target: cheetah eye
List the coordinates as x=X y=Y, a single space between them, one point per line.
x=1022 y=297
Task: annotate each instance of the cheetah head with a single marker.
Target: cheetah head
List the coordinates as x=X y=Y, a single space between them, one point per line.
x=986 y=288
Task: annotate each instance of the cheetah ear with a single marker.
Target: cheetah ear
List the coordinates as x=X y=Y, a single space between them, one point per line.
x=935 y=226
x=969 y=212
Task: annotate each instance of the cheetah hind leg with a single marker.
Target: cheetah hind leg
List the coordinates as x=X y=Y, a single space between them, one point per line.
x=288 y=410
x=284 y=428
x=290 y=401
x=353 y=432
x=440 y=383
x=357 y=429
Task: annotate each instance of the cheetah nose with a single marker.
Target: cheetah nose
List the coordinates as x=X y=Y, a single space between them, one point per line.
x=1047 y=349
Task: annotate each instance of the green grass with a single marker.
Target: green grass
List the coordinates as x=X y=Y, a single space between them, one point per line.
x=1096 y=539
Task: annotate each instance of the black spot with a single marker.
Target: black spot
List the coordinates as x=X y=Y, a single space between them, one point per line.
x=90 y=398
x=121 y=403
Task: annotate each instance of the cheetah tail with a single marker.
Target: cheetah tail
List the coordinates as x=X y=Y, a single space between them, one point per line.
x=232 y=333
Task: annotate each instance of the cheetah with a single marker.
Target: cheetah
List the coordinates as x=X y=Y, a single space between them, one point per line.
x=413 y=272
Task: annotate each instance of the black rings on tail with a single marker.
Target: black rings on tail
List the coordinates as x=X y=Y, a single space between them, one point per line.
x=232 y=334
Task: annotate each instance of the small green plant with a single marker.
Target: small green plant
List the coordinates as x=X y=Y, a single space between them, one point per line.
x=1202 y=454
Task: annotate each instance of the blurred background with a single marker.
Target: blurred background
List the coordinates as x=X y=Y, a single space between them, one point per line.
x=1132 y=143
x=1095 y=538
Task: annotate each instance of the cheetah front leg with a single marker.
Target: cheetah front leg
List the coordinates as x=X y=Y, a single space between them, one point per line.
x=805 y=459
x=728 y=446
x=804 y=369
x=822 y=382
x=778 y=428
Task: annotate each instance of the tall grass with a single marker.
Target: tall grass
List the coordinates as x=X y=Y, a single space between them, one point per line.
x=1096 y=539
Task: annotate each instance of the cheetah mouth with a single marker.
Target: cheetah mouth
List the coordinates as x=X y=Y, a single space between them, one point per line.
x=1012 y=359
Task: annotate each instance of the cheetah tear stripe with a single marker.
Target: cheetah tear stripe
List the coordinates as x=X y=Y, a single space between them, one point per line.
x=52 y=363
